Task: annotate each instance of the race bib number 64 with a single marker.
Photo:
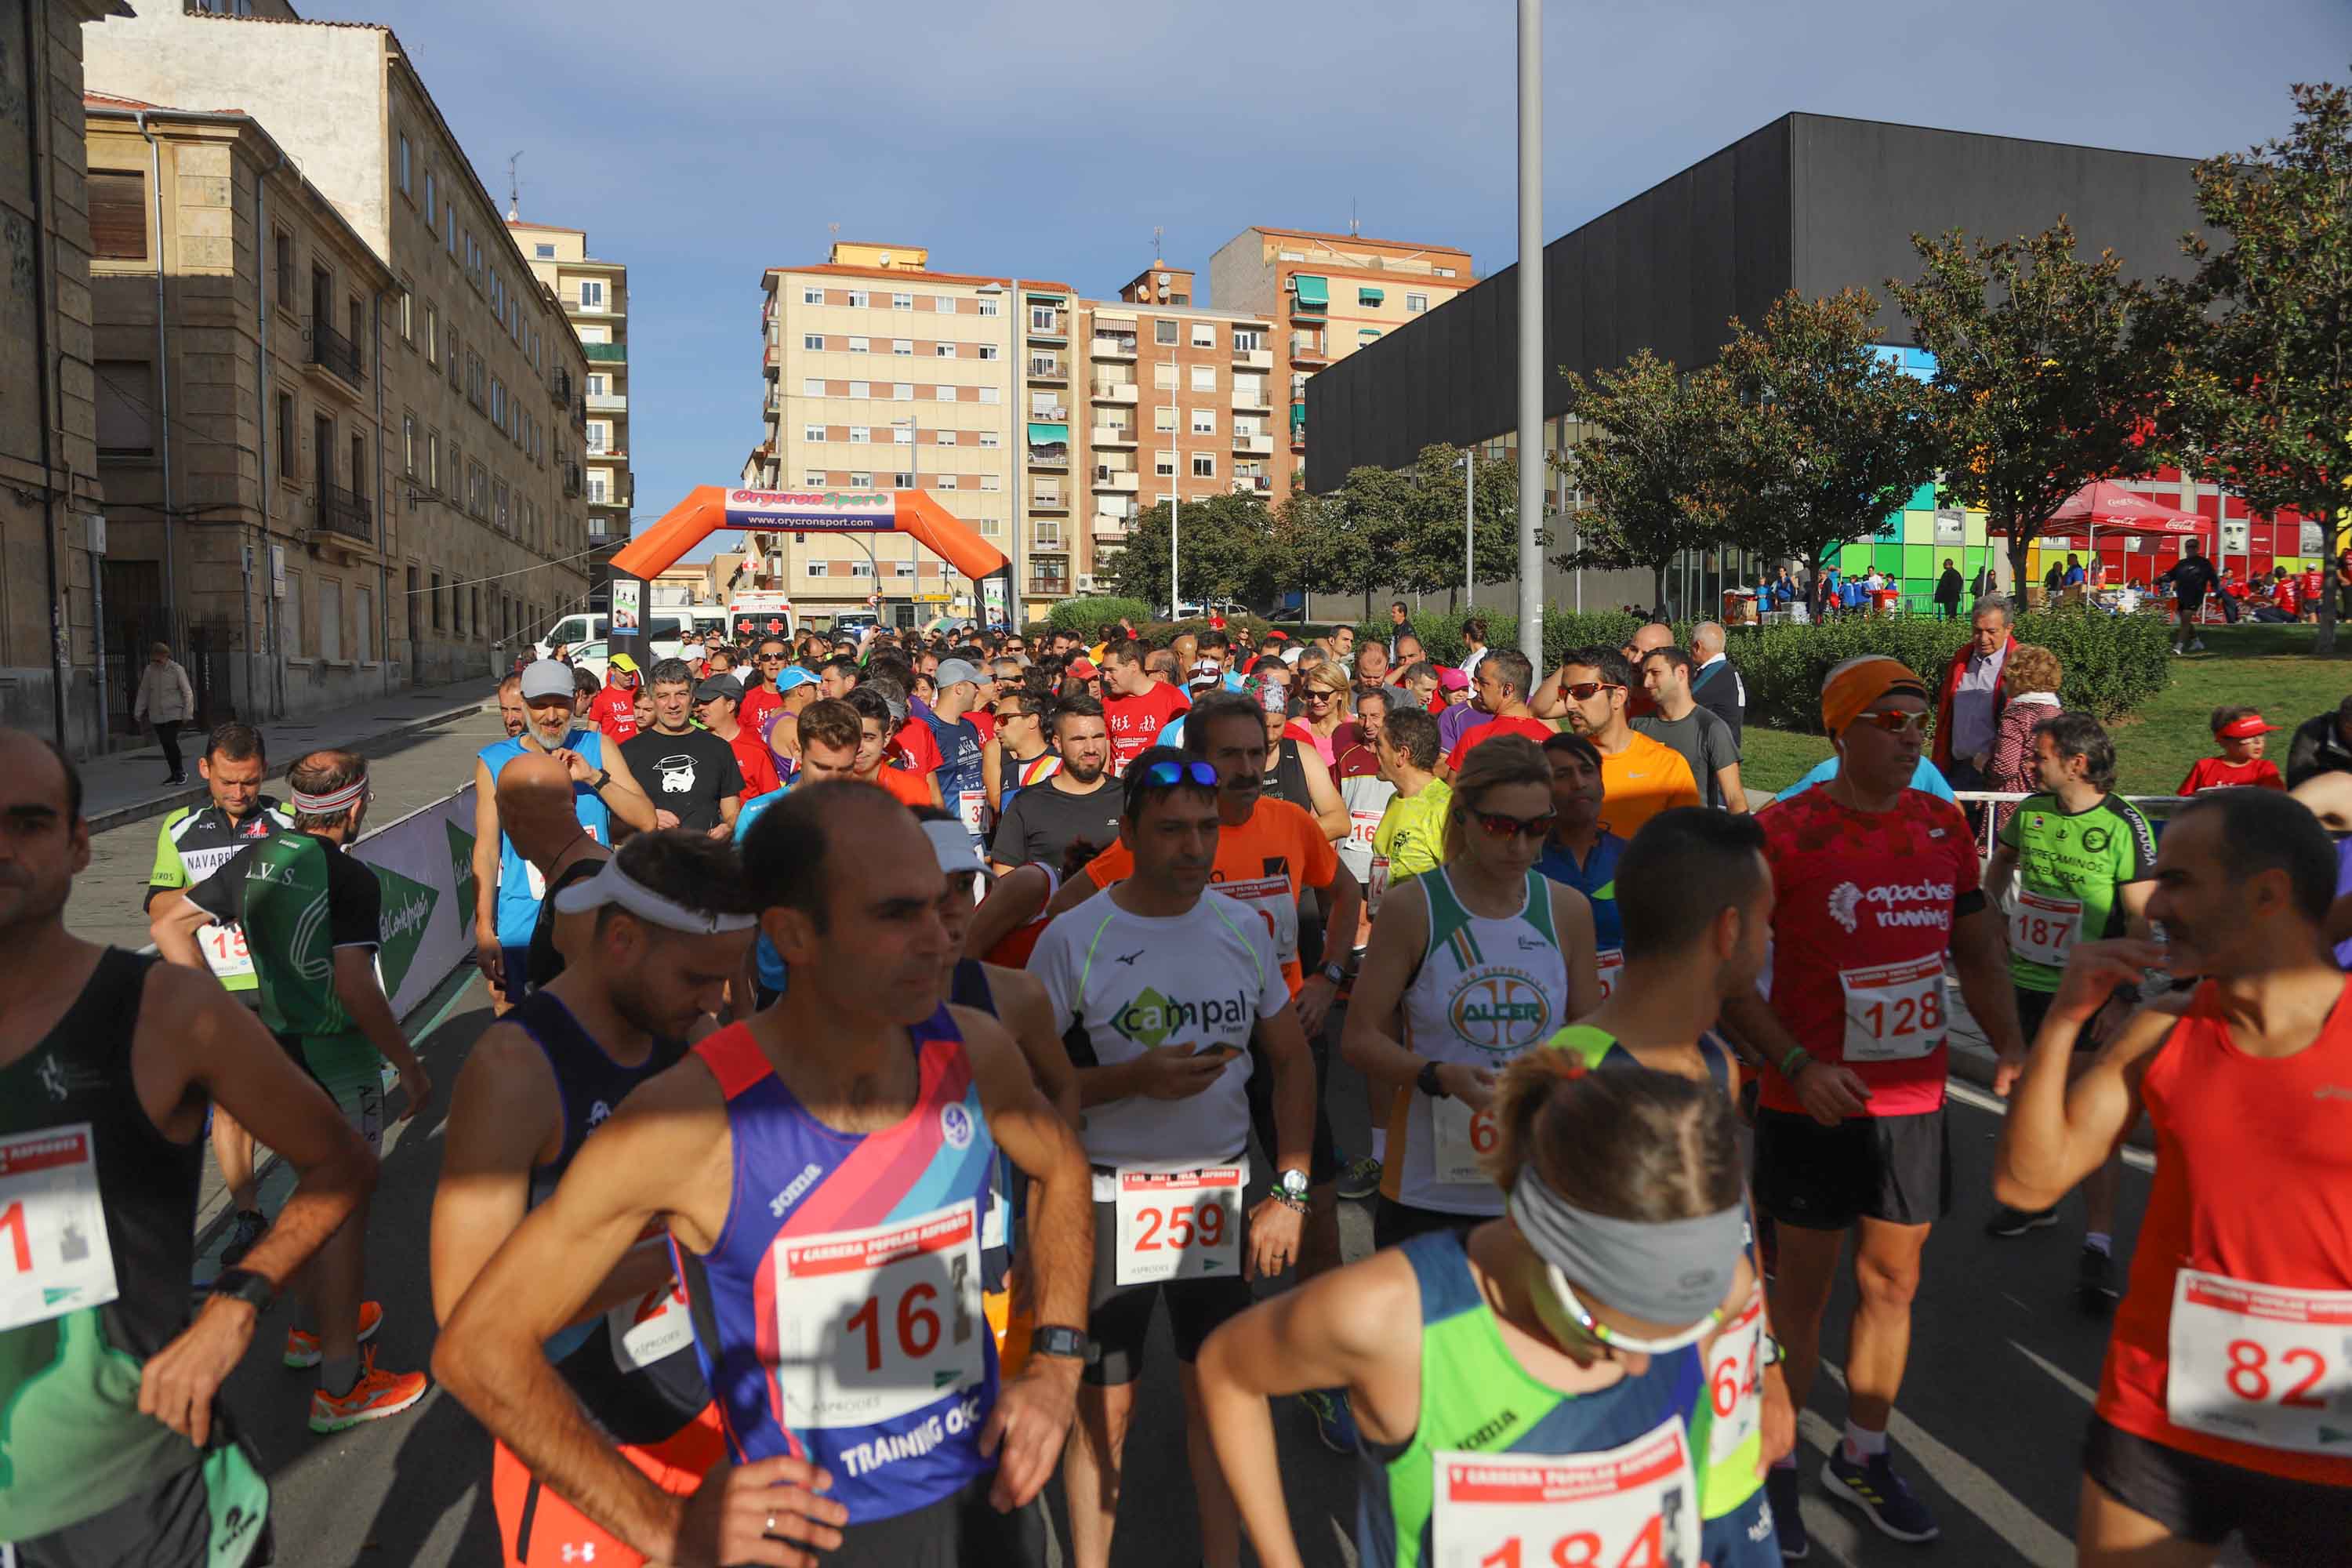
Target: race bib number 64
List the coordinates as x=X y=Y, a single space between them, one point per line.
x=54 y=1256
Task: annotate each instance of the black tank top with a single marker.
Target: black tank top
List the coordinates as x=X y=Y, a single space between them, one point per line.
x=1007 y=1195
x=648 y=1403
x=72 y=1441
x=1287 y=780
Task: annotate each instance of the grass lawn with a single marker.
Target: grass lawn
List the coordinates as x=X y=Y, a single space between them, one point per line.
x=2271 y=667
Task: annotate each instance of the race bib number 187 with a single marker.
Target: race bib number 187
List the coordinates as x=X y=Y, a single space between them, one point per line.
x=54 y=1256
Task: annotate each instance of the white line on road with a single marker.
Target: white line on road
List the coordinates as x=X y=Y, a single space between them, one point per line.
x=1968 y=1094
x=2058 y=1375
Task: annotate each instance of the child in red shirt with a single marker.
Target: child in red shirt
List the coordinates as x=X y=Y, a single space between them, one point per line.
x=2240 y=732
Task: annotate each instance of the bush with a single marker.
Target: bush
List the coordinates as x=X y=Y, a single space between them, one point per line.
x=2113 y=663
x=1089 y=616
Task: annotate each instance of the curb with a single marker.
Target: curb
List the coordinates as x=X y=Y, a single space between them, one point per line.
x=197 y=795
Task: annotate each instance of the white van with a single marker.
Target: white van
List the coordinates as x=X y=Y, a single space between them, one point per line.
x=667 y=630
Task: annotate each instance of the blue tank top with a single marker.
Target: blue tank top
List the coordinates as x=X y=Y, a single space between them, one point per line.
x=636 y=1394
x=838 y=1315
x=519 y=882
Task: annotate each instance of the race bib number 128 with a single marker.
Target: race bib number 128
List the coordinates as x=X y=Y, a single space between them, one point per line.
x=54 y=1256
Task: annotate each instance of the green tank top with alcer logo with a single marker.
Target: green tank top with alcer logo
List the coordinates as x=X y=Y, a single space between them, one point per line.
x=290 y=930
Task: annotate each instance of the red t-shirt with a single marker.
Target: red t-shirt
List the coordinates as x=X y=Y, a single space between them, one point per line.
x=614 y=711
x=1535 y=730
x=759 y=701
x=755 y=762
x=1135 y=722
x=1866 y=904
x=918 y=745
x=2221 y=772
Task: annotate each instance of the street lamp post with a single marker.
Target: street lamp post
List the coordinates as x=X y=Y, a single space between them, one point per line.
x=1531 y=490
x=1469 y=527
x=1175 y=488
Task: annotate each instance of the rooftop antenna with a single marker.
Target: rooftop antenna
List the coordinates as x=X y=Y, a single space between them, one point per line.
x=834 y=230
x=1156 y=251
x=1355 y=229
x=514 y=189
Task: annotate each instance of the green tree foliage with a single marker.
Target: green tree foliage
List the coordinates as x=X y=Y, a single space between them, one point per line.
x=1830 y=437
x=1654 y=464
x=1220 y=552
x=2261 y=334
x=1313 y=545
x=2043 y=384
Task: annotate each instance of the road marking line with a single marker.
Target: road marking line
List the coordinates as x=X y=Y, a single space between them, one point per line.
x=2058 y=1375
x=1968 y=1094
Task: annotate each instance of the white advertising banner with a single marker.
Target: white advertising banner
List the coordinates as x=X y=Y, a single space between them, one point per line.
x=625 y=617
x=424 y=862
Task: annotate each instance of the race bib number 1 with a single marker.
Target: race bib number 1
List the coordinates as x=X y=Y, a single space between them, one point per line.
x=1459 y=1138
x=2261 y=1364
x=1894 y=1012
x=1633 y=1507
x=54 y=1256
x=1178 y=1224
x=877 y=1323
x=1611 y=966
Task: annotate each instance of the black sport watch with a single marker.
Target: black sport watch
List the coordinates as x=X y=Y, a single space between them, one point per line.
x=243 y=1285
x=1060 y=1339
x=1427 y=1082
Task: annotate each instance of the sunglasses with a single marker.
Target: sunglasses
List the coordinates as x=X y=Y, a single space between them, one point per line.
x=1169 y=775
x=772 y=658
x=1897 y=723
x=1586 y=691
x=1622 y=1342
x=1498 y=824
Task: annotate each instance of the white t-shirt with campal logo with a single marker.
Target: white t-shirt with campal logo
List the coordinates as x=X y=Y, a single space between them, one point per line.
x=1123 y=983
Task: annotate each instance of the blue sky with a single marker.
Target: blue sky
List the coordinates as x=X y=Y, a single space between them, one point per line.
x=701 y=142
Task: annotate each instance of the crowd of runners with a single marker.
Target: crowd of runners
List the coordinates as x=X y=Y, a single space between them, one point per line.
x=888 y=1029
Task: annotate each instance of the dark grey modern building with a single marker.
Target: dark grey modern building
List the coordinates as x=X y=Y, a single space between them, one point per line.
x=1812 y=202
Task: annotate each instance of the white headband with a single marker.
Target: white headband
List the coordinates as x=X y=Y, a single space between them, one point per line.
x=332 y=802
x=613 y=885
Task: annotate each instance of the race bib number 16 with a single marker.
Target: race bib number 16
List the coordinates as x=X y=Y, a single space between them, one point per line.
x=875 y=1323
x=54 y=1256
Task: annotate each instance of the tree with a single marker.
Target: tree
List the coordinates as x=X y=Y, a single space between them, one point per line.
x=1220 y=552
x=1379 y=505
x=1428 y=545
x=2263 y=332
x=1312 y=545
x=1652 y=464
x=2043 y=384
x=1832 y=437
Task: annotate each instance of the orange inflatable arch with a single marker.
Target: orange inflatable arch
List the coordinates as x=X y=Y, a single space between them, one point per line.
x=708 y=509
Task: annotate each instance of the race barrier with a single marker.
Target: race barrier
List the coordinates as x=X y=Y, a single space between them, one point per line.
x=424 y=863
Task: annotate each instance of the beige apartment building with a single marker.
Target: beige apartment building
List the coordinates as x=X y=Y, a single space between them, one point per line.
x=481 y=511
x=241 y=423
x=1327 y=295
x=595 y=297
x=52 y=522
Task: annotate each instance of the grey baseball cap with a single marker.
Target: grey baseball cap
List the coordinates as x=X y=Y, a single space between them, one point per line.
x=955 y=672
x=544 y=679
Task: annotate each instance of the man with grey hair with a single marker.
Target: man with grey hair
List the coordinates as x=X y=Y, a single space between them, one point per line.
x=1716 y=685
x=1974 y=691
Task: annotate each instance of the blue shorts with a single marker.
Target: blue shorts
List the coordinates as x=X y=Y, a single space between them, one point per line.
x=515 y=963
x=1744 y=1538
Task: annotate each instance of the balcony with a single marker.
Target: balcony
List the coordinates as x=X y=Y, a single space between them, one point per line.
x=1251 y=397
x=1259 y=446
x=1304 y=350
x=1110 y=525
x=1049 y=501
x=1107 y=478
x=330 y=351
x=774 y=355
x=571 y=479
x=1117 y=392
x=1049 y=456
x=1253 y=359
x=559 y=385
x=1057 y=415
x=1113 y=435
x=345 y=512
x=1054 y=327
x=618 y=354
x=1046 y=588
x=1253 y=484
x=1114 y=347
x=1043 y=369
x=608 y=403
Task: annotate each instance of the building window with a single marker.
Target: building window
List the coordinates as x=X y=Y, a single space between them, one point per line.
x=1204 y=422
x=944 y=304
x=902 y=347
x=992 y=482
x=859 y=435
x=1415 y=304
x=902 y=392
x=902 y=434
x=1163 y=378
x=1163 y=419
x=1204 y=335
x=1163 y=464
x=991 y=351
x=991 y=438
x=285 y=255
x=437 y=601
x=812 y=342
x=1204 y=466
x=1369 y=296
x=599 y=433
x=408 y=445
x=861 y=569
x=944 y=438
x=861 y=389
x=944 y=350
x=1204 y=378
x=542 y=252
x=861 y=346
x=991 y=394
x=1042 y=318
x=431 y=218
x=126 y=420
x=902 y=301
x=117 y=214
x=902 y=569
x=858 y=299
x=944 y=394
x=812 y=294
x=1164 y=333
x=813 y=432
x=290 y=456
x=861 y=481
x=592 y=293
x=401 y=163
x=449 y=227
x=598 y=485
x=813 y=386
x=988 y=307
x=433 y=465
x=596 y=384
x=902 y=481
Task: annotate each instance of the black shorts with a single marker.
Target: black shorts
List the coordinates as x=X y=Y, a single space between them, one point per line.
x=1893 y=1168
x=948 y=1533
x=213 y=1514
x=2033 y=1009
x=1394 y=1223
x=1323 y=1160
x=1121 y=1317
x=2203 y=1499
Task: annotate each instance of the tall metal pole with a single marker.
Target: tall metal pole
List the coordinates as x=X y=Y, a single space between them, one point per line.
x=1531 y=452
x=1469 y=529
x=1175 y=486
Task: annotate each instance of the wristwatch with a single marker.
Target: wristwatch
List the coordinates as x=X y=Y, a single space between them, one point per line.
x=243 y=1285
x=1427 y=1082
x=1061 y=1340
x=1336 y=974
x=604 y=776
x=1291 y=1185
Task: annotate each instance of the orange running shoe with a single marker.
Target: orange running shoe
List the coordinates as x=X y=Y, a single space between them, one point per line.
x=302 y=1349
x=375 y=1396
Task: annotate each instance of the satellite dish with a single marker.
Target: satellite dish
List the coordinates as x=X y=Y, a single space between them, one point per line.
x=886 y=258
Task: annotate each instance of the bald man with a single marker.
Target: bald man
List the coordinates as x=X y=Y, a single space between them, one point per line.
x=535 y=807
x=1716 y=685
x=1548 y=703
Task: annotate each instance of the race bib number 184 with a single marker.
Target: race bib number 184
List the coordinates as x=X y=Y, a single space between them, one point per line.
x=1633 y=1507
x=54 y=1256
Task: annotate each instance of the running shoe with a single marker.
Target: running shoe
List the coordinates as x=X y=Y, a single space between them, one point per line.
x=2006 y=1221
x=302 y=1349
x=1360 y=1178
x=2197 y=645
x=2095 y=1282
x=251 y=1224
x=375 y=1396
x=1334 y=1421
x=1873 y=1486
x=1780 y=1490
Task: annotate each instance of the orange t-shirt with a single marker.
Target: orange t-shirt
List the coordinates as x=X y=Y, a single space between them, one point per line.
x=1263 y=863
x=907 y=787
x=1645 y=779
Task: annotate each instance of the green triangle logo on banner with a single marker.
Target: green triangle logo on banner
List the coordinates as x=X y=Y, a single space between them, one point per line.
x=461 y=874
x=407 y=910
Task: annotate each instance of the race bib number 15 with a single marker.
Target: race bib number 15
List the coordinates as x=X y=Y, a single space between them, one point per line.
x=54 y=1256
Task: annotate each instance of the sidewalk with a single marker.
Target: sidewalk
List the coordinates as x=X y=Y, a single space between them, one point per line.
x=128 y=785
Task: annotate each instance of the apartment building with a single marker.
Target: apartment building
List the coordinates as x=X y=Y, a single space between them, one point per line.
x=1179 y=400
x=52 y=525
x=594 y=295
x=241 y=426
x=480 y=509
x=885 y=373
x=1329 y=295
